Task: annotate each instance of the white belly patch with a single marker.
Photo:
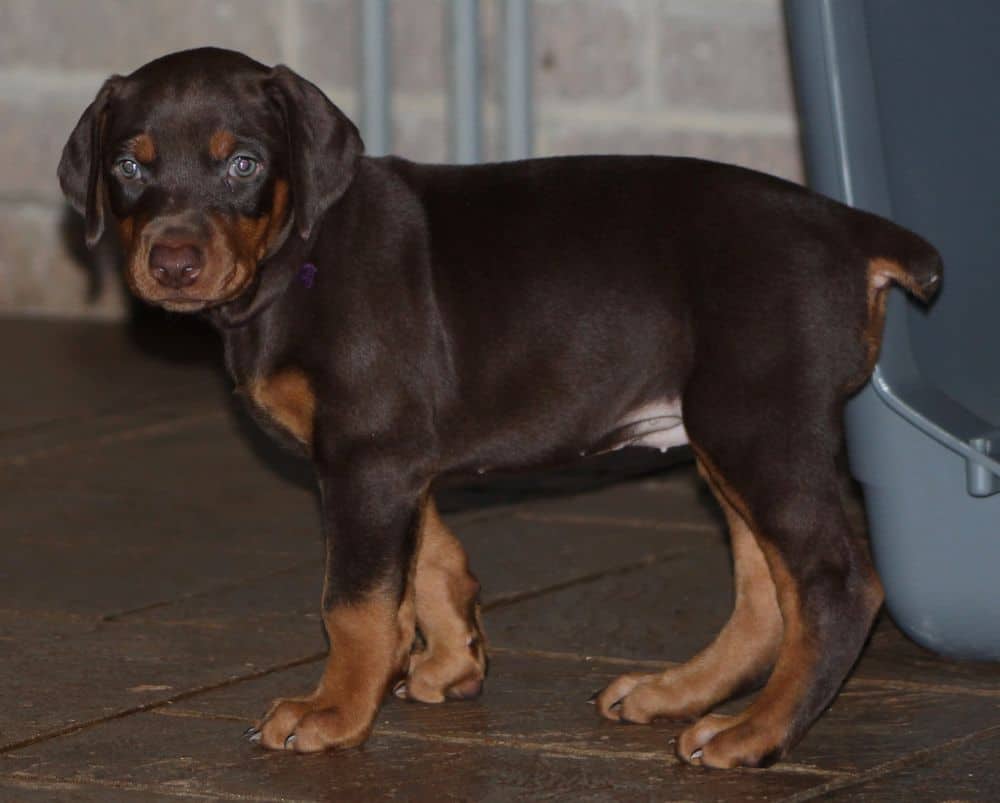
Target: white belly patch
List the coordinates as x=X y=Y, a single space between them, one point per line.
x=658 y=425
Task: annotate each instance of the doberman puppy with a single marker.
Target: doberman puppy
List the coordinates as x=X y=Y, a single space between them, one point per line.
x=400 y=321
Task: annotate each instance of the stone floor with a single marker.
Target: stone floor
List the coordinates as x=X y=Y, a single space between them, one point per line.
x=160 y=584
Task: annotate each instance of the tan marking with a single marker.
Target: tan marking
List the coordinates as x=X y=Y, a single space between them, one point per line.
x=288 y=398
x=250 y=232
x=221 y=144
x=773 y=711
x=882 y=272
x=143 y=148
x=453 y=662
x=247 y=240
x=740 y=657
x=767 y=728
x=276 y=217
x=368 y=648
x=222 y=278
x=784 y=585
x=232 y=250
x=767 y=723
x=126 y=230
x=367 y=641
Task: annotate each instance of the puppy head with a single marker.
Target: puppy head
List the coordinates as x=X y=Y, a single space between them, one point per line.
x=207 y=161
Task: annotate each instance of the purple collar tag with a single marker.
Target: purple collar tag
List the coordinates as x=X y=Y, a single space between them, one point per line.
x=307 y=274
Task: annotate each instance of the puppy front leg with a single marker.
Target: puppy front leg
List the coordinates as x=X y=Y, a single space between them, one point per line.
x=452 y=663
x=371 y=515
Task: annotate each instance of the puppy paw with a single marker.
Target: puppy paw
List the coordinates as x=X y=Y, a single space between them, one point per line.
x=641 y=698
x=307 y=725
x=725 y=742
x=609 y=700
x=442 y=673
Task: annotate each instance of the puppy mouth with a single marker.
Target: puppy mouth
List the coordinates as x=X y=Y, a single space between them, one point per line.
x=230 y=287
x=182 y=303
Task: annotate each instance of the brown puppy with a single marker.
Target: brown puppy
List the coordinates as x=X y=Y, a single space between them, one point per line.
x=397 y=322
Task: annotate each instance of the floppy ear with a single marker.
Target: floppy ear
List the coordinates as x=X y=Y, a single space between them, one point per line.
x=323 y=146
x=80 y=170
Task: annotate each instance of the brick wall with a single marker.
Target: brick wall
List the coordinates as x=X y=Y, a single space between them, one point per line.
x=697 y=77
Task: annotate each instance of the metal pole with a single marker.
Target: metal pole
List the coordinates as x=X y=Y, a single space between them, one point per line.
x=466 y=118
x=376 y=111
x=519 y=121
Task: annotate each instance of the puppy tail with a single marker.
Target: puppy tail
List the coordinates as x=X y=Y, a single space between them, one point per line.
x=905 y=258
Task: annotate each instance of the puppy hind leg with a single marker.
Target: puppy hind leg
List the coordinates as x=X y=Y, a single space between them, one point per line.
x=828 y=595
x=738 y=660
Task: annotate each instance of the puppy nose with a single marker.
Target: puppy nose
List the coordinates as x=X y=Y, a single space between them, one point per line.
x=175 y=265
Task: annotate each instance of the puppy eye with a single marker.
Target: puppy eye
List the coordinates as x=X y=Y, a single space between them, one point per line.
x=243 y=166
x=128 y=168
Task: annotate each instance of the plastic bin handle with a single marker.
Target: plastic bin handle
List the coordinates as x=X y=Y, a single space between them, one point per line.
x=898 y=382
x=840 y=110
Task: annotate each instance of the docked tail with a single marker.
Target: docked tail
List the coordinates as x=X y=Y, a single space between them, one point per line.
x=898 y=255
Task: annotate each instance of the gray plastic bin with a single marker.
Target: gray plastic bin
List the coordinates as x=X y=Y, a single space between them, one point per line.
x=900 y=109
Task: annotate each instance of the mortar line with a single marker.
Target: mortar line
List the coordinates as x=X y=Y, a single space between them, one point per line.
x=841 y=779
x=514 y=597
x=499 y=602
x=190 y=390
x=652 y=663
x=577 y=657
x=117 y=616
x=890 y=767
x=76 y=727
x=122 y=436
x=191 y=713
x=517 y=742
x=26 y=780
x=916 y=685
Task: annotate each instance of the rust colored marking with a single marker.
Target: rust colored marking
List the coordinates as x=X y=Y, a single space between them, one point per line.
x=143 y=148
x=760 y=734
x=364 y=638
x=881 y=273
x=733 y=504
x=768 y=722
x=221 y=144
x=453 y=663
x=126 y=228
x=739 y=658
x=287 y=397
x=250 y=234
x=881 y=270
x=765 y=730
x=253 y=236
x=276 y=217
x=238 y=245
x=368 y=646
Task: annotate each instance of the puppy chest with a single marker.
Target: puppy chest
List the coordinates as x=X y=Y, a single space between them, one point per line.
x=285 y=400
